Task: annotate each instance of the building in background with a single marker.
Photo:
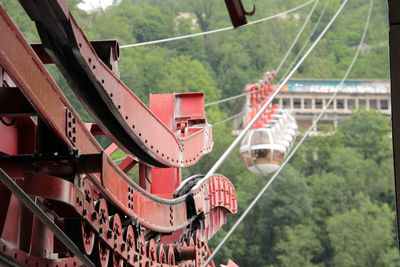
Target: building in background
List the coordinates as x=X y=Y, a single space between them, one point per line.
x=305 y=99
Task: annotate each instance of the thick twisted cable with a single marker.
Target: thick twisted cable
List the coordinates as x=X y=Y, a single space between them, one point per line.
x=297 y=37
x=307 y=41
x=298 y=145
x=217 y=30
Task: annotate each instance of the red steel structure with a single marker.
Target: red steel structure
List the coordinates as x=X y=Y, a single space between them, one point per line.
x=64 y=202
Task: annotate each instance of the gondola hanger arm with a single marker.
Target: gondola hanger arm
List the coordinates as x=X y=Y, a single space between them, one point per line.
x=237 y=12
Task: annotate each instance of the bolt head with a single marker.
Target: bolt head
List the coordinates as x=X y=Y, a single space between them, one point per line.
x=109 y=233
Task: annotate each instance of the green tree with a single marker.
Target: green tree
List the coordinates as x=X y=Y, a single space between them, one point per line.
x=364 y=236
x=286 y=203
x=367 y=131
x=22 y=20
x=152 y=22
x=299 y=247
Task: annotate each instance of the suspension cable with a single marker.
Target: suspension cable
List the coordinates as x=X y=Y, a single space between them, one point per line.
x=227 y=99
x=268 y=102
x=119 y=159
x=230 y=118
x=283 y=60
x=297 y=37
x=307 y=41
x=299 y=144
x=217 y=30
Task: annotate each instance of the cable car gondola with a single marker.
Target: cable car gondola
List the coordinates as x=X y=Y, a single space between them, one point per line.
x=266 y=145
x=262 y=151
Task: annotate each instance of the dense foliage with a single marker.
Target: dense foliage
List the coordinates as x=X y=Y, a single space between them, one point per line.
x=334 y=204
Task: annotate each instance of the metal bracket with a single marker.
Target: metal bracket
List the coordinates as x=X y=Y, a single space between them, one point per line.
x=237 y=12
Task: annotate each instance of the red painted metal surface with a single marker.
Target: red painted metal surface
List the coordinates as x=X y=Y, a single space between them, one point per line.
x=53 y=156
x=128 y=118
x=231 y=264
x=237 y=12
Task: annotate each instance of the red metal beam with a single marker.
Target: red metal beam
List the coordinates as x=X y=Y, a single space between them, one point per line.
x=42 y=92
x=116 y=109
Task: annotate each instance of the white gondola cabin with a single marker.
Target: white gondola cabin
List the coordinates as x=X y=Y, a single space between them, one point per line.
x=262 y=151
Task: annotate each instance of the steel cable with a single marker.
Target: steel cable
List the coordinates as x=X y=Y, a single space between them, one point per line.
x=280 y=64
x=300 y=142
x=297 y=36
x=307 y=41
x=217 y=30
x=230 y=118
x=227 y=99
x=268 y=102
x=42 y=216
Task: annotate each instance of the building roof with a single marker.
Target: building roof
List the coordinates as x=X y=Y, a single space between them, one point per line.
x=330 y=86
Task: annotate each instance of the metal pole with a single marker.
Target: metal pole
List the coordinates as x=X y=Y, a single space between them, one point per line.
x=38 y=212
